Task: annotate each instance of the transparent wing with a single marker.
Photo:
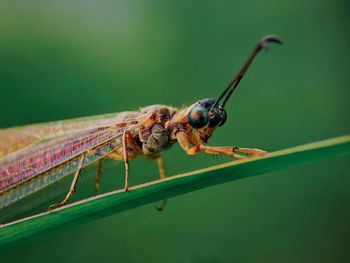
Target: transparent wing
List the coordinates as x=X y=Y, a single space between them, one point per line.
x=39 y=155
x=17 y=138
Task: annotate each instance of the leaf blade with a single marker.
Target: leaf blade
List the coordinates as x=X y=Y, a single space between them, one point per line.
x=117 y=201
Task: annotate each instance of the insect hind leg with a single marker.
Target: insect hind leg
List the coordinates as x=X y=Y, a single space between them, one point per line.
x=98 y=176
x=73 y=185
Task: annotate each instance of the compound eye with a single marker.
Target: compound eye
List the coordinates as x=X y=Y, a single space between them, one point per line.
x=198 y=117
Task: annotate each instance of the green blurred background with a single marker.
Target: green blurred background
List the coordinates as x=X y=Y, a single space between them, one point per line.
x=66 y=59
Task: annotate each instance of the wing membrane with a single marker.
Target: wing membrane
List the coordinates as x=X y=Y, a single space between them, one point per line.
x=35 y=156
x=17 y=138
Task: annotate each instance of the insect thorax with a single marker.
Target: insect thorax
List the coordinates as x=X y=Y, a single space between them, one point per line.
x=157 y=138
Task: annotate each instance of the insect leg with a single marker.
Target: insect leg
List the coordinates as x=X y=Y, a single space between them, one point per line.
x=235 y=152
x=249 y=151
x=126 y=160
x=115 y=156
x=162 y=206
x=128 y=140
x=98 y=176
x=162 y=175
x=161 y=167
x=73 y=185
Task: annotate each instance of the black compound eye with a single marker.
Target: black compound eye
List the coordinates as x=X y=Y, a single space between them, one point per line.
x=198 y=117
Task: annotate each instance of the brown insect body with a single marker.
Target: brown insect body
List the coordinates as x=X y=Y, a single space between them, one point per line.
x=157 y=138
x=161 y=135
x=162 y=126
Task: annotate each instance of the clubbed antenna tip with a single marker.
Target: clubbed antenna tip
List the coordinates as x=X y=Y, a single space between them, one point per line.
x=266 y=40
x=262 y=44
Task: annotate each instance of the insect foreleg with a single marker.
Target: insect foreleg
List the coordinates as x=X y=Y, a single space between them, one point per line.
x=235 y=152
x=243 y=152
x=73 y=185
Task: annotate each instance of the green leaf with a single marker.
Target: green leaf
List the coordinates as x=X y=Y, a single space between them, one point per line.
x=117 y=201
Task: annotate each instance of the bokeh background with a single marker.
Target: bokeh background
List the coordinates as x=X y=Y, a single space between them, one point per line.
x=66 y=59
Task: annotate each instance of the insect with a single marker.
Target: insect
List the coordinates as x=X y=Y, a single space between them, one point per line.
x=35 y=156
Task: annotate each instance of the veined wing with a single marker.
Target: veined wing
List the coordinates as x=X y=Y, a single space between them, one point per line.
x=49 y=152
x=17 y=138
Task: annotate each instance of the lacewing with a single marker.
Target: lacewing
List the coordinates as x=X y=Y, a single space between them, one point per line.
x=35 y=156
